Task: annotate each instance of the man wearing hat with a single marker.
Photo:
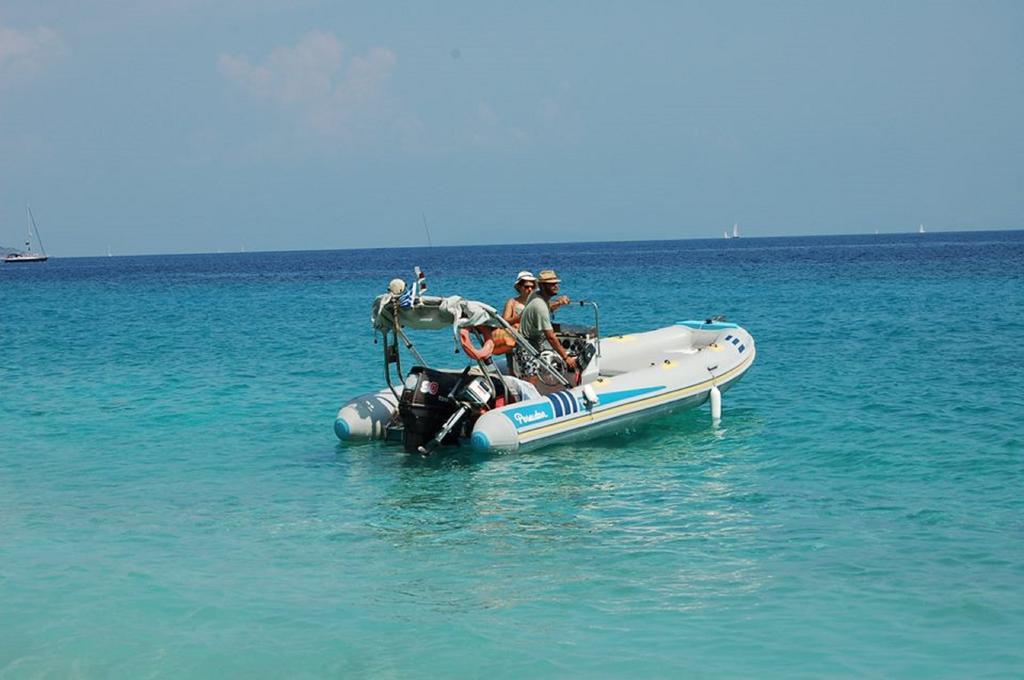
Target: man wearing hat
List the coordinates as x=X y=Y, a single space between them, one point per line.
x=535 y=324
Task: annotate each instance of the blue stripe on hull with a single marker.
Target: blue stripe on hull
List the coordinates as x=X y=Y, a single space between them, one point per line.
x=557 y=404
x=703 y=326
x=587 y=428
x=612 y=397
x=564 y=403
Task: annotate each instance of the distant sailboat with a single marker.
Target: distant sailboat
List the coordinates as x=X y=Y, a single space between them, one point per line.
x=109 y=254
x=29 y=255
x=920 y=229
x=735 y=230
x=725 y=234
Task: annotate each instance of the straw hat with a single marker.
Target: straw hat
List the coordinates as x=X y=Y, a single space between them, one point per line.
x=549 y=276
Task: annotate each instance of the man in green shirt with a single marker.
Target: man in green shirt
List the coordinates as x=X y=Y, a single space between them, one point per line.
x=535 y=323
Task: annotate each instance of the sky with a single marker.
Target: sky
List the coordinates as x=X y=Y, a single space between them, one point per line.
x=175 y=126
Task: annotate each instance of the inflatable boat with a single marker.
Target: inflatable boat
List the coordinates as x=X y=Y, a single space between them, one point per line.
x=621 y=380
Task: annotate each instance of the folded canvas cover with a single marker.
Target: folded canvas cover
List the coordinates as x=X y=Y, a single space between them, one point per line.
x=431 y=312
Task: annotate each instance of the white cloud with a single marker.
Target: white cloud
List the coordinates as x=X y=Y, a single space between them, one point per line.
x=488 y=129
x=23 y=53
x=313 y=79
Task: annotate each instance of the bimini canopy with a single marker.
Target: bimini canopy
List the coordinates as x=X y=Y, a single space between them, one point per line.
x=431 y=312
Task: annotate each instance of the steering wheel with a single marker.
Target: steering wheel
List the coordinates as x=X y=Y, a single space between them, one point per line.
x=555 y=361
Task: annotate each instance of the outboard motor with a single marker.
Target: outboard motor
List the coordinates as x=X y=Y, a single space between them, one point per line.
x=434 y=406
x=426 y=405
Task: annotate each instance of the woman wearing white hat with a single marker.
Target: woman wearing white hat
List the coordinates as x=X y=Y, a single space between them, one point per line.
x=525 y=284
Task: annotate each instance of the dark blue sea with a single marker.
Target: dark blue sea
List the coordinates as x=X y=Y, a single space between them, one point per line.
x=174 y=503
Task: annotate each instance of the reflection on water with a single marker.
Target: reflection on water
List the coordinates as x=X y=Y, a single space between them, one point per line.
x=659 y=511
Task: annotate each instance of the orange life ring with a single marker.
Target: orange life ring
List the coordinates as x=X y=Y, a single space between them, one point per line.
x=470 y=349
x=503 y=341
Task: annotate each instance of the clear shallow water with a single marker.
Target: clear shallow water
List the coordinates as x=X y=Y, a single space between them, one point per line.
x=173 y=500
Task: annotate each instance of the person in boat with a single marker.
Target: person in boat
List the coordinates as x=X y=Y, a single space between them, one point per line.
x=535 y=323
x=560 y=301
x=525 y=284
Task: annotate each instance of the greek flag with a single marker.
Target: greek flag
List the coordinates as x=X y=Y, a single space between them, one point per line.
x=405 y=302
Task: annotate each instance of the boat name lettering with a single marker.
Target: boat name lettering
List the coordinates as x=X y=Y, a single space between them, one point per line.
x=524 y=418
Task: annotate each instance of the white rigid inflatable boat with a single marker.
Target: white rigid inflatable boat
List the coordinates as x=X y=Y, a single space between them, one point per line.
x=624 y=380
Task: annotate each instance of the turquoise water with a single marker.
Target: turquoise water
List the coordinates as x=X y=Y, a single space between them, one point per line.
x=173 y=501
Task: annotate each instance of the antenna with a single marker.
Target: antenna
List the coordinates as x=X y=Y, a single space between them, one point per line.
x=430 y=244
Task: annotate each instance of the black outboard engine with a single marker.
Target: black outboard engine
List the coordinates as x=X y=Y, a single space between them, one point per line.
x=425 y=406
x=438 y=407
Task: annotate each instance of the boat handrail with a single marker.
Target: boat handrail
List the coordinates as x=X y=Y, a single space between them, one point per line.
x=597 y=323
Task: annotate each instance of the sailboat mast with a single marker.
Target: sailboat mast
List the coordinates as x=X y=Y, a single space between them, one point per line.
x=430 y=244
x=32 y=221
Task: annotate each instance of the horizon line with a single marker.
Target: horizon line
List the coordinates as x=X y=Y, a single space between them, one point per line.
x=540 y=243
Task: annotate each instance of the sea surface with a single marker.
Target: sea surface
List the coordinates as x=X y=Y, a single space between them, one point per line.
x=174 y=503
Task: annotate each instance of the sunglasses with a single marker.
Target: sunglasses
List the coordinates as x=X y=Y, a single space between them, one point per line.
x=527 y=286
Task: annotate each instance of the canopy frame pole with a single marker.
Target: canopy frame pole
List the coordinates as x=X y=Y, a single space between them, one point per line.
x=410 y=346
x=387 y=363
x=392 y=351
x=531 y=350
x=597 y=323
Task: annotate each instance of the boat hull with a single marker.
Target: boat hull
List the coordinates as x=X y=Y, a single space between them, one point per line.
x=669 y=386
x=367 y=416
x=15 y=259
x=643 y=376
